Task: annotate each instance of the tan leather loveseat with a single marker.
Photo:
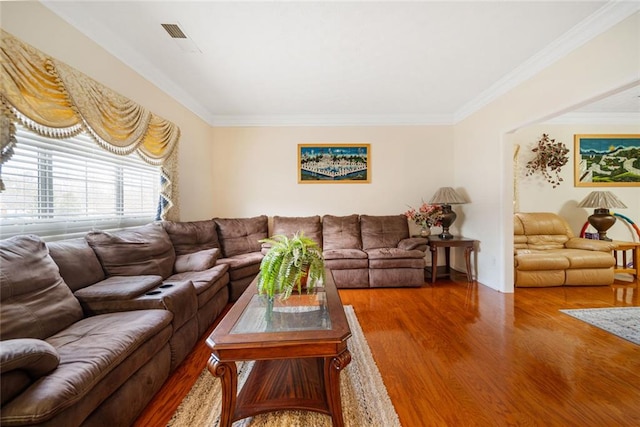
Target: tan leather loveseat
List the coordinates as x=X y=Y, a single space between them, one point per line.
x=546 y=253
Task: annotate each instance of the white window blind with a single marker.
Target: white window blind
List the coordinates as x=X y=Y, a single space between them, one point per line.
x=64 y=188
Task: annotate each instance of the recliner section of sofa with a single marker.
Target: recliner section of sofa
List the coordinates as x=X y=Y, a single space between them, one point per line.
x=395 y=258
x=112 y=289
x=363 y=250
x=342 y=251
x=547 y=253
x=197 y=254
x=59 y=364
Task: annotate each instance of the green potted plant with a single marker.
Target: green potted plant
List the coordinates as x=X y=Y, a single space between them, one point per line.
x=290 y=263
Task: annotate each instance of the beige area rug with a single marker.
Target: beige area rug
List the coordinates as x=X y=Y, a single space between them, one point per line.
x=365 y=401
x=621 y=321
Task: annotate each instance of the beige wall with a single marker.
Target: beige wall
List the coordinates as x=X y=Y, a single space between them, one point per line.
x=535 y=194
x=483 y=150
x=35 y=24
x=255 y=170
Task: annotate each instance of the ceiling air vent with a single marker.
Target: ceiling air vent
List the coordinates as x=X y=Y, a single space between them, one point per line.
x=181 y=38
x=174 y=31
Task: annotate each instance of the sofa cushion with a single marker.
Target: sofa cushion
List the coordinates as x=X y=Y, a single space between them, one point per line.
x=546 y=242
x=243 y=265
x=383 y=231
x=241 y=235
x=394 y=253
x=310 y=226
x=544 y=230
x=542 y=223
x=391 y=263
x=89 y=350
x=145 y=250
x=79 y=266
x=543 y=260
x=194 y=236
x=344 y=254
x=341 y=232
x=346 y=263
x=579 y=258
x=34 y=300
x=196 y=261
x=201 y=280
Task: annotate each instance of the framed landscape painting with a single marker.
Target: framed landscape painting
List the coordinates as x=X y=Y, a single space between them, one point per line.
x=607 y=160
x=334 y=163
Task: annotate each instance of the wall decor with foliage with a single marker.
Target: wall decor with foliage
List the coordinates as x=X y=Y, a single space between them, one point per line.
x=550 y=157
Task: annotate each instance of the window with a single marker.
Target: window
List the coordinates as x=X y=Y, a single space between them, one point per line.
x=63 y=188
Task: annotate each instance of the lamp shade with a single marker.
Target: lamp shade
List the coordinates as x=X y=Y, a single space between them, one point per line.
x=601 y=199
x=447 y=196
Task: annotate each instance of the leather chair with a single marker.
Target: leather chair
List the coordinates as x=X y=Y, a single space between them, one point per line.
x=547 y=253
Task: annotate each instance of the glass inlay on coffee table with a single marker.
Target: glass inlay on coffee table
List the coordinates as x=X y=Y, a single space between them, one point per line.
x=302 y=340
x=298 y=313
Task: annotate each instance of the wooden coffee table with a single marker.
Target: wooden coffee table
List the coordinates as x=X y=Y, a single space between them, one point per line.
x=300 y=348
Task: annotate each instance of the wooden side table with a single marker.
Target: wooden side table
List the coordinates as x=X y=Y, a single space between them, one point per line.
x=436 y=242
x=621 y=252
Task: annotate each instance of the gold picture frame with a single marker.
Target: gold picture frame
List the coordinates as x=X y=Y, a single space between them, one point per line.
x=606 y=160
x=334 y=163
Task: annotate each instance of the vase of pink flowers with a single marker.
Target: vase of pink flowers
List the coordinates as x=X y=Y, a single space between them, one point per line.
x=425 y=217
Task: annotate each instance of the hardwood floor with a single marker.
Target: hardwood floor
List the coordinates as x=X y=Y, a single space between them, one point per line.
x=459 y=354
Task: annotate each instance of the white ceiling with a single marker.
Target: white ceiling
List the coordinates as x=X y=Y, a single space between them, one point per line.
x=336 y=62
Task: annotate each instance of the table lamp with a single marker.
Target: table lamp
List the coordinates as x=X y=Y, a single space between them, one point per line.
x=601 y=220
x=447 y=196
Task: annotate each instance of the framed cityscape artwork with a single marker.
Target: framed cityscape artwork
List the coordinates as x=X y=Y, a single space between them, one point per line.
x=607 y=160
x=334 y=163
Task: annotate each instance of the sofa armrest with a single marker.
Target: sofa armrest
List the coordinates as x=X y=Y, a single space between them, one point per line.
x=590 y=244
x=22 y=362
x=178 y=297
x=412 y=243
x=117 y=288
x=37 y=357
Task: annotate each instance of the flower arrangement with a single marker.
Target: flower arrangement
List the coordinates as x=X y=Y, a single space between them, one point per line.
x=426 y=215
x=549 y=158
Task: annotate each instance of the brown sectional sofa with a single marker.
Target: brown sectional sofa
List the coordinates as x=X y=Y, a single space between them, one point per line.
x=63 y=367
x=92 y=327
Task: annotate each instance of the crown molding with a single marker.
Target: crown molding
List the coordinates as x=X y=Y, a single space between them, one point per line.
x=331 y=120
x=597 y=23
x=595 y=119
x=604 y=18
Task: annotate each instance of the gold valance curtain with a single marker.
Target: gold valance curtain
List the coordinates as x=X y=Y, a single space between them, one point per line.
x=55 y=100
